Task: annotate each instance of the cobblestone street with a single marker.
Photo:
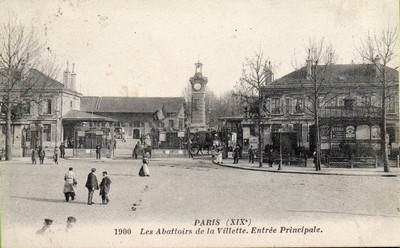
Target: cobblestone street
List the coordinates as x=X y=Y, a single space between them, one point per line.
x=179 y=191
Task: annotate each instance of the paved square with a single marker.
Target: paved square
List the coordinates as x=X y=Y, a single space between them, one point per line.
x=181 y=191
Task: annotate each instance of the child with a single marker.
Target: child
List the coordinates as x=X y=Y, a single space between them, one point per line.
x=144 y=170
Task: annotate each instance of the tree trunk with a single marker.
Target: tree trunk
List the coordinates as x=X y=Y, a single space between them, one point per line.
x=384 y=153
x=260 y=136
x=317 y=139
x=8 y=131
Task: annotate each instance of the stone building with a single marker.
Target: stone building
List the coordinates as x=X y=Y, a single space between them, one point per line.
x=349 y=111
x=40 y=102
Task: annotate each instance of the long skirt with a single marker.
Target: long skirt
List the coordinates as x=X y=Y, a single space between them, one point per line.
x=144 y=171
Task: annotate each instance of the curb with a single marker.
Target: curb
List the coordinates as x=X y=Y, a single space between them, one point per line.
x=308 y=172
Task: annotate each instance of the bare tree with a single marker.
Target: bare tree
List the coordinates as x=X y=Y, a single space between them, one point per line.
x=379 y=49
x=20 y=53
x=256 y=73
x=319 y=78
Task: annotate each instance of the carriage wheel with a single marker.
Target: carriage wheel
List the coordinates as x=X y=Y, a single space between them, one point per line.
x=194 y=149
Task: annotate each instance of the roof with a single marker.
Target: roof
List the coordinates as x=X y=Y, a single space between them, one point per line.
x=347 y=73
x=131 y=104
x=76 y=115
x=37 y=80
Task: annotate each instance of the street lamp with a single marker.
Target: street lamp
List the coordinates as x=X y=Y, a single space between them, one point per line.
x=280 y=148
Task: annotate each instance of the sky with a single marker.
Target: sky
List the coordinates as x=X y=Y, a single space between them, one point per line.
x=148 y=48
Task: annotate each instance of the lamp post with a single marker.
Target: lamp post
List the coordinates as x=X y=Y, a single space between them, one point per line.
x=280 y=149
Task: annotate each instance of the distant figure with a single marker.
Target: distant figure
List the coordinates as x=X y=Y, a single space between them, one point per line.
x=98 y=152
x=69 y=184
x=251 y=155
x=34 y=156
x=42 y=154
x=236 y=154
x=105 y=188
x=91 y=185
x=315 y=158
x=137 y=150
x=70 y=224
x=45 y=230
x=56 y=155
x=270 y=157
x=62 y=150
x=144 y=170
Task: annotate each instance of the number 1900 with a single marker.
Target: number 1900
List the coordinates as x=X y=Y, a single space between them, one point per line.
x=122 y=231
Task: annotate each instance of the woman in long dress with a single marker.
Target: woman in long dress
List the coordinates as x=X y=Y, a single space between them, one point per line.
x=144 y=170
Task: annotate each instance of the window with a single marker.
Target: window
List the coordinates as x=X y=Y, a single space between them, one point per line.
x=26 y=107
x=47 y=132
x=298 y=105
x=366 y=101
x=276 y=106
x=135 y=124
x=181 y=124
x=46 y=107
x=171 y=123
x=391 y=104
x=289 y=106
x=161 y=124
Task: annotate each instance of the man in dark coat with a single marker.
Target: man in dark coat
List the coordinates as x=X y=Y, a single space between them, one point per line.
x=236 y=154
x=98 y=155
x=91 y=185
x=251 y=155
x=62 y=150
x=105 y=188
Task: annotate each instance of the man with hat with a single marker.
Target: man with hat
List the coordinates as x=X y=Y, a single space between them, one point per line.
x=105 y=188
x=91 y=185
x=70 y=224
x=45 y=230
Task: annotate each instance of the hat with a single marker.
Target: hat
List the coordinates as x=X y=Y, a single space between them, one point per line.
x=70 y=168
x=93 y=169
x=48 y=221
x=105 y=172
x=71 y=219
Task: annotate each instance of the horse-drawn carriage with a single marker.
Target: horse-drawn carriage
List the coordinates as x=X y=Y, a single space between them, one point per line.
x=204 y=141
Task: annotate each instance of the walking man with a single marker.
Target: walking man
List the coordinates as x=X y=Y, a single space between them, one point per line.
x=251 y=155
x=105 y=188
x=98 y=150
x=62 y=150
x=42 y=154
x=91 y=185
x=56 y=155
x=70 y=182
x=34 y=156
x=236 y=154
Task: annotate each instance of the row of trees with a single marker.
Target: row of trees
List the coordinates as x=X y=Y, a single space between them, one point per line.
x=378 y=49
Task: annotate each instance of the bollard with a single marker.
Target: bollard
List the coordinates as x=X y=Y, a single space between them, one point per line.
x=376 y=162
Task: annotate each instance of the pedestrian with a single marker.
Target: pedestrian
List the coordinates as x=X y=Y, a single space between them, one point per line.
x=70 y=183
x=91 y=185
x=45 y=230
x=315 y=159
x=270 y=157
x=62 y=150
x=251 y=155
x=98 y=151
x=144 y=170
x=34 y=155
x=70 y=224
x=56 y=155
x=137 y=150
x=105 y=188
x=42 y=154
x=219 y=156
x=236 y=153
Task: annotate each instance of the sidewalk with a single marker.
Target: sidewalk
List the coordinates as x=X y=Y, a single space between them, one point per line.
x=310 y=169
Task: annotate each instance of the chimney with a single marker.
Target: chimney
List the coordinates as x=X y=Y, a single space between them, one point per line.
x=66 y=77
x=269 y=75
x=309 y=64
x=73 y=78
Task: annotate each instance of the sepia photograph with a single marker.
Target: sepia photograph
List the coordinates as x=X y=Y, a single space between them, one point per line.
x=188 y=123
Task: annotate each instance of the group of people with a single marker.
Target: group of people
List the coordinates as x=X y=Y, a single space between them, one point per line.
x=46 y=229
x=59 y=152
x=91 y=184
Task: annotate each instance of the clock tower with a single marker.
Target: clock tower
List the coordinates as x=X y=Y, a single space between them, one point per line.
x=198 y=83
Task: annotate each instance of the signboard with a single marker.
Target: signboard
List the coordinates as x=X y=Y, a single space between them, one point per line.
x=246 y=133
x=350 y=132
x=338 y=133
x=99 y=132
x=181 y=134
x=163 y=137
x=81 y=134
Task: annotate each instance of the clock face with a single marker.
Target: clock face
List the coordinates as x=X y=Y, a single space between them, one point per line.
x=197 y=86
